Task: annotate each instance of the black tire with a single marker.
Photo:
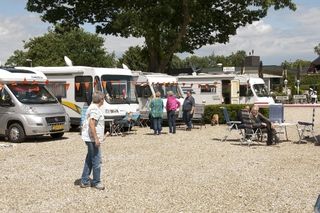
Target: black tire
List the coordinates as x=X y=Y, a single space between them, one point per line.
x=16 y=133
x=57 y=135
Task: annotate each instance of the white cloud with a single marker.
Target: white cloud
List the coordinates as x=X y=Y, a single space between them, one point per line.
x=120 y=45
x=294 y=39
x=15 y=30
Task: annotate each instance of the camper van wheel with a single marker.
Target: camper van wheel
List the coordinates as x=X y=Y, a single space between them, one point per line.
x=57 y=135
x=16 y=133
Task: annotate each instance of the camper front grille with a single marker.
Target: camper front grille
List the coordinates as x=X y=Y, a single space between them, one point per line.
x=52 y=120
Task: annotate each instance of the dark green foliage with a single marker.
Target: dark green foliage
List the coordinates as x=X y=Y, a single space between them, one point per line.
x=167 y=26
x=136 y=58
x=83 y=48
x=235 y=60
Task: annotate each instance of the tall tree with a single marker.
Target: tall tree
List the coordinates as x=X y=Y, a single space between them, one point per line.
x=81 y=47
x=135 y=58
x=167 y=26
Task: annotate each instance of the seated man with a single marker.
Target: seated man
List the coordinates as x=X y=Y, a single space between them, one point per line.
x=260 y=121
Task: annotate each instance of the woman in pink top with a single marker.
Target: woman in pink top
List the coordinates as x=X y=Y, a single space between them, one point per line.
x=172 y=105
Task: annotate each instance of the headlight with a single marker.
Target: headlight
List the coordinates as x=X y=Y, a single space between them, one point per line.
x=29 y=109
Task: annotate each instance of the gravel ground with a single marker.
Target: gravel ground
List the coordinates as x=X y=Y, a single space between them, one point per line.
x=186 y=172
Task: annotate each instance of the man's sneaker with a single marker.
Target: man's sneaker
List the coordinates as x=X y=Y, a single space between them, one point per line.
x=99 y=186
x=82 y=185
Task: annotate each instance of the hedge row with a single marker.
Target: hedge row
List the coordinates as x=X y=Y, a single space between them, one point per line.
x=233 y=110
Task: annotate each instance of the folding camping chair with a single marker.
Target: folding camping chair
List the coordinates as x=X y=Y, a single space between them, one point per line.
x=304 y=128
x=144 y=119
x=197 y=118
x=134 y=120
x=231 y=125
x=276 y=116
x=250 y=133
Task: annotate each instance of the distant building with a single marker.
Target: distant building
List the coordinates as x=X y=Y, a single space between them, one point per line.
x=314 y=66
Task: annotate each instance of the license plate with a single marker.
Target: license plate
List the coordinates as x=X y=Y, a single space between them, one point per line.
x=56 y=127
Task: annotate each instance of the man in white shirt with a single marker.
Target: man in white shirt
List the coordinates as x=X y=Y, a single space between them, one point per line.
x=93 y=136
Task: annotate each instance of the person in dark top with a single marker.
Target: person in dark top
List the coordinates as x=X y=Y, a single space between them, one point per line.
x=260 y=121
x=187 y=110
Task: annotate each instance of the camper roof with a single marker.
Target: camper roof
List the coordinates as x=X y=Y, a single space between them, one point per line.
x=16 y=75
x=156 y=78
x=68 y=70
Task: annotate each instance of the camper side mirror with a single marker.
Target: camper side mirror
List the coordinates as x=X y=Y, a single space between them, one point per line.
x=59 y=99
x=7 y=102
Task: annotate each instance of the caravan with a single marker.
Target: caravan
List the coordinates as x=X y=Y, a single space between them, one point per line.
x=27 y=108
x=226 y=88
x=147 y=84
x=74 y=85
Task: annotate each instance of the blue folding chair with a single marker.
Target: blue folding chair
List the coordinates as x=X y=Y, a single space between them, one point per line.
x=276 y=116
x=276 y=113
x=231 y=125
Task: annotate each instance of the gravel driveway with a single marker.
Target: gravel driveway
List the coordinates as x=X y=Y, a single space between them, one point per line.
x=186 y=172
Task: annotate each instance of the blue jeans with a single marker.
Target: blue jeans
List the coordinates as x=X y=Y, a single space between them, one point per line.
x=172 y=121
x=186 y=116
x=157 y=125
x=92 y=163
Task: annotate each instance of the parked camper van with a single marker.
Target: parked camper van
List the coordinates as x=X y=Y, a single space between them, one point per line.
x=147 y=84
x=226 y=88
x=27 y=108
x=74 y=85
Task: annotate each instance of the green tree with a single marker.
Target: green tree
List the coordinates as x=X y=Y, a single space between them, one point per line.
x=19 y=58
x=197 y=62
x=167 y=26
x=81 y=47
x=135 y=58
x=317 y=49
x=237 y=59
x=176 y=63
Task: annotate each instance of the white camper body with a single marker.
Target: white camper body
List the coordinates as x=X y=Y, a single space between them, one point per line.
x=76 y=84
x=27 y=108
x=225 y=88
x=147 y=84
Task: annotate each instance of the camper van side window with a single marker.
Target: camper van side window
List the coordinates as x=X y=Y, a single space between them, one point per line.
x=4 y=97
x=143 y=91
x=83 y=88
x=97 y=84
x=245 y=91
x=58 y=88
x=208 y=89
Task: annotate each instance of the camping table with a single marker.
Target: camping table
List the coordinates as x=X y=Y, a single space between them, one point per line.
x=282 y=127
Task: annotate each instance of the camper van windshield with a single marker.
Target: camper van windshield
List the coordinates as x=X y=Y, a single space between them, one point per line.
x=32 y=93
x=118 y=89
x=164 y=88
x=260 y=90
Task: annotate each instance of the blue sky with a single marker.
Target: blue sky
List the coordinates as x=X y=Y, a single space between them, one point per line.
x=282 y=35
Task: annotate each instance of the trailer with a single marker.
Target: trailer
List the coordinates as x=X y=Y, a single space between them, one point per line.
x=147 y=84
x=225 y=88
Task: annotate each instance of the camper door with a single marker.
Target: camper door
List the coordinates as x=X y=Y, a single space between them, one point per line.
x=235 y=84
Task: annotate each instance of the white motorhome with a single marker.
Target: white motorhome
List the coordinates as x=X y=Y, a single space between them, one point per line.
x=27 y=108
x=147 y=84
x=76 y=84
x=226 y=88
